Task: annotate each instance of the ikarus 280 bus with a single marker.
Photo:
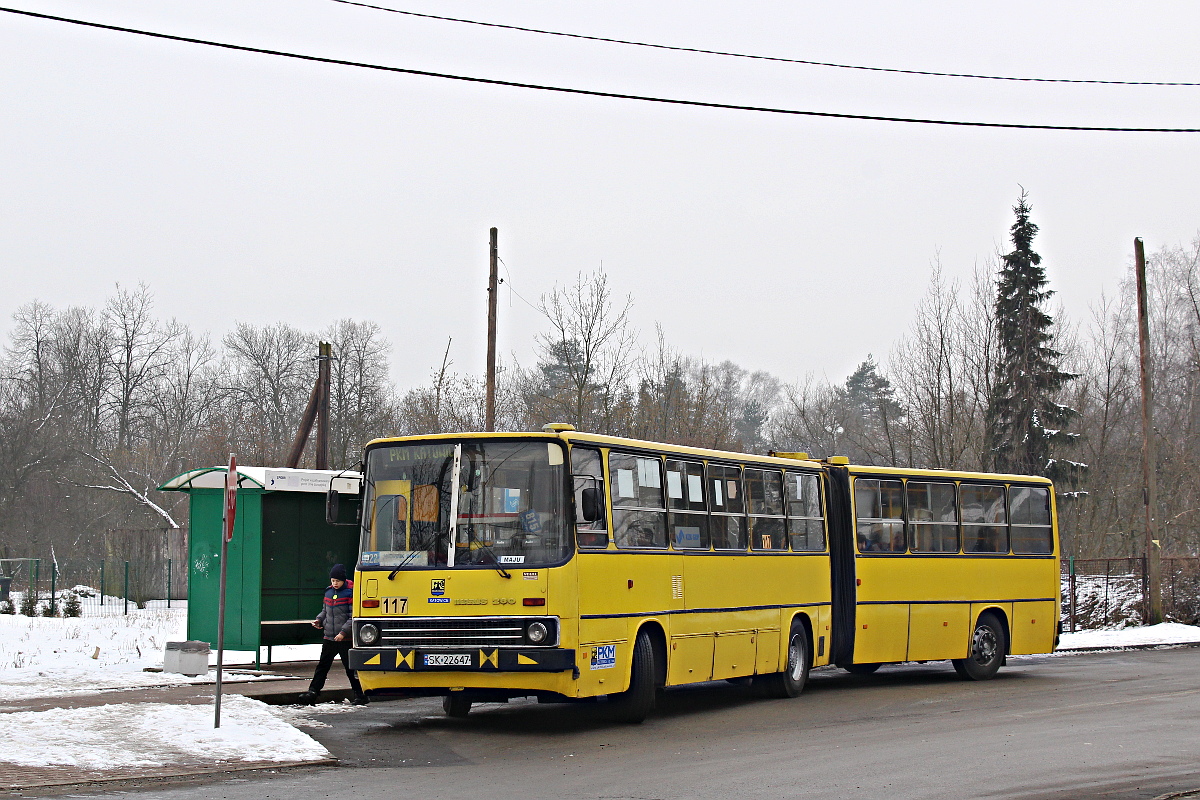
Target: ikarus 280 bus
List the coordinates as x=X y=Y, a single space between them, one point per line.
x=565 y=565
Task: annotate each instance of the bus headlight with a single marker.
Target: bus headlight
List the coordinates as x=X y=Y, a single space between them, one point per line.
x=537 y=633
x=368 y=634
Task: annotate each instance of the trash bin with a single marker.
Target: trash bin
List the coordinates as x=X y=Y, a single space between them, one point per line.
x=188 y=658
x=5 y=585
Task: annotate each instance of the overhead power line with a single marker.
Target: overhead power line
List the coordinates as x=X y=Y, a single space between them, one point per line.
x=591 y=92
x=779 y=59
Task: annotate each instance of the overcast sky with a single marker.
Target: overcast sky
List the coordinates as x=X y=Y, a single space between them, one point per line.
x=245 y=187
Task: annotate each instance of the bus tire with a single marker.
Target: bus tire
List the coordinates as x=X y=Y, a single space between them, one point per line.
x=790 y=682
x=456 y=705
x=633 y=704
x=862 y=669
x=988 y=645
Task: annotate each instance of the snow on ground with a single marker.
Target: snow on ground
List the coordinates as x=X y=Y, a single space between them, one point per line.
x=1165 y=633
x=153 y=735
x=54 y=656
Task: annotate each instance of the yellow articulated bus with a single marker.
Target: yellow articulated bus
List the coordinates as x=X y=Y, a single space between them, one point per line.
x=565 y=566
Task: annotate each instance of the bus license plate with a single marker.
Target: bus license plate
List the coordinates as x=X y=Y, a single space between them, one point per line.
x=447 y=659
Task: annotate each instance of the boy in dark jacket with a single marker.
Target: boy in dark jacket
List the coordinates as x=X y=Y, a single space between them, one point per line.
x=335 y=621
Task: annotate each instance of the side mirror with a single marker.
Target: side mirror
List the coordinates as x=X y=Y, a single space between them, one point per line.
x=591 y=505
x=331 y=507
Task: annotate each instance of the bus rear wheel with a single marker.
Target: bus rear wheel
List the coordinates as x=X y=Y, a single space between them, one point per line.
x=988 y=645
x=456 y=705
x=790 y=682
x=634 y=704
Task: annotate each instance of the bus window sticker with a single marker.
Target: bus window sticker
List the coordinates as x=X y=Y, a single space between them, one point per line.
x=625 y=483
x=648 y=473
x=674 y=485
x=695 y=489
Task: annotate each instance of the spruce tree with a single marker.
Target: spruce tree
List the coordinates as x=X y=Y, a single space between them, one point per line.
x=1025 y=424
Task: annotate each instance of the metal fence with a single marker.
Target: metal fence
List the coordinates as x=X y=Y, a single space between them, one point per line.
x=48 y=587
x=1111 y=592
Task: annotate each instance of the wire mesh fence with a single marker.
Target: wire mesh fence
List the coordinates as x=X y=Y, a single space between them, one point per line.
x=48 y=587
x=1111 y=592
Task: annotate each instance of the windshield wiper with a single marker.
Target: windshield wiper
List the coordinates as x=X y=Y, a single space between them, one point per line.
x=407 y=560
x=495 y=559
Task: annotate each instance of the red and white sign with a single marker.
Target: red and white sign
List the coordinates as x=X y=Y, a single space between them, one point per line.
x=231 y=487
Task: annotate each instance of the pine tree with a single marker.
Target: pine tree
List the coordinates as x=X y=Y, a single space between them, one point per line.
x=1025 y=424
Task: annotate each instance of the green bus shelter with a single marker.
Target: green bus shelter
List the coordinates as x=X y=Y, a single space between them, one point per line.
x=279 y=558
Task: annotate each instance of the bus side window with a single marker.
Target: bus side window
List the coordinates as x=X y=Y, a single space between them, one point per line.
x=764 y=489
x=588 y=477
x=984 y=518
x=932 y=517
x=806 y=525
x=685 y=499
x=879 y=506
x=638 y=511
x=726 y=505
x=1029 y=516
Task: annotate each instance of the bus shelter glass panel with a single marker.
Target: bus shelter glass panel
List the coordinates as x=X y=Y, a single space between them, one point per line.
x=879 y=506
x=984 y=518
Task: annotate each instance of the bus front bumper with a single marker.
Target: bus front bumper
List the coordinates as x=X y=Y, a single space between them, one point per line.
x=528 y=659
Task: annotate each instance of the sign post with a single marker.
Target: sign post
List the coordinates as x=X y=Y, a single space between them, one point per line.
x=231 y=486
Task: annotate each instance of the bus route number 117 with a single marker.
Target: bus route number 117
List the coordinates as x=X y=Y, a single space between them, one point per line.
x=395 y=605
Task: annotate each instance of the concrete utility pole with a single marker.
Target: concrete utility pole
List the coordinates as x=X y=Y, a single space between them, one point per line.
x=1154 y=611
x=489 y=413
x=323 y=366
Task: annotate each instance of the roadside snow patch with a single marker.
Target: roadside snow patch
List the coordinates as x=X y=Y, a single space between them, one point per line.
x=1165 y=633
x=153 y=735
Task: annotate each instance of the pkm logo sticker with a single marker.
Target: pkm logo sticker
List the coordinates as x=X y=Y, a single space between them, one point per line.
x=604 y=657
x=437 y=587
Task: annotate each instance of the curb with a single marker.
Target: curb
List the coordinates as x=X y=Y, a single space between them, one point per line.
x=168 y=776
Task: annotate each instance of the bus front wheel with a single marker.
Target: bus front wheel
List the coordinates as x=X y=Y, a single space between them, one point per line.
x=635 y=703
x=456 y=705
x=790 y=682
x=988 y=645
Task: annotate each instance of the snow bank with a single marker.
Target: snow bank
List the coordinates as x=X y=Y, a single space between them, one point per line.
x=1165 y=633
x=53 y=656
x=153 y=735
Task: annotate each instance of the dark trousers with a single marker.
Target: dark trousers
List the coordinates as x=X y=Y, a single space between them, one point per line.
x=329 y=649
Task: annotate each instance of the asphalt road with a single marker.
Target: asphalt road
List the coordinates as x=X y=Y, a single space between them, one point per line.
x=1110 y=725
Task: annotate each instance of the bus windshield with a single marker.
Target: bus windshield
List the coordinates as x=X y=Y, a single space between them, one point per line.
x=503 y=503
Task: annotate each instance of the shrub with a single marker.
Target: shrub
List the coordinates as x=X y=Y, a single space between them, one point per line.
x=71 y=605
x=29 y=604
x=6 y=607
x=51 y=608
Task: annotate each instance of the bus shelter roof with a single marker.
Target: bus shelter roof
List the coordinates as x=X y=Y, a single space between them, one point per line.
x=271 y=479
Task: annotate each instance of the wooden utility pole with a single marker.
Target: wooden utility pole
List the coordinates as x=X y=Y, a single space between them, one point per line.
x=1154 y=612
x=316 y=411
x=489 y=414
